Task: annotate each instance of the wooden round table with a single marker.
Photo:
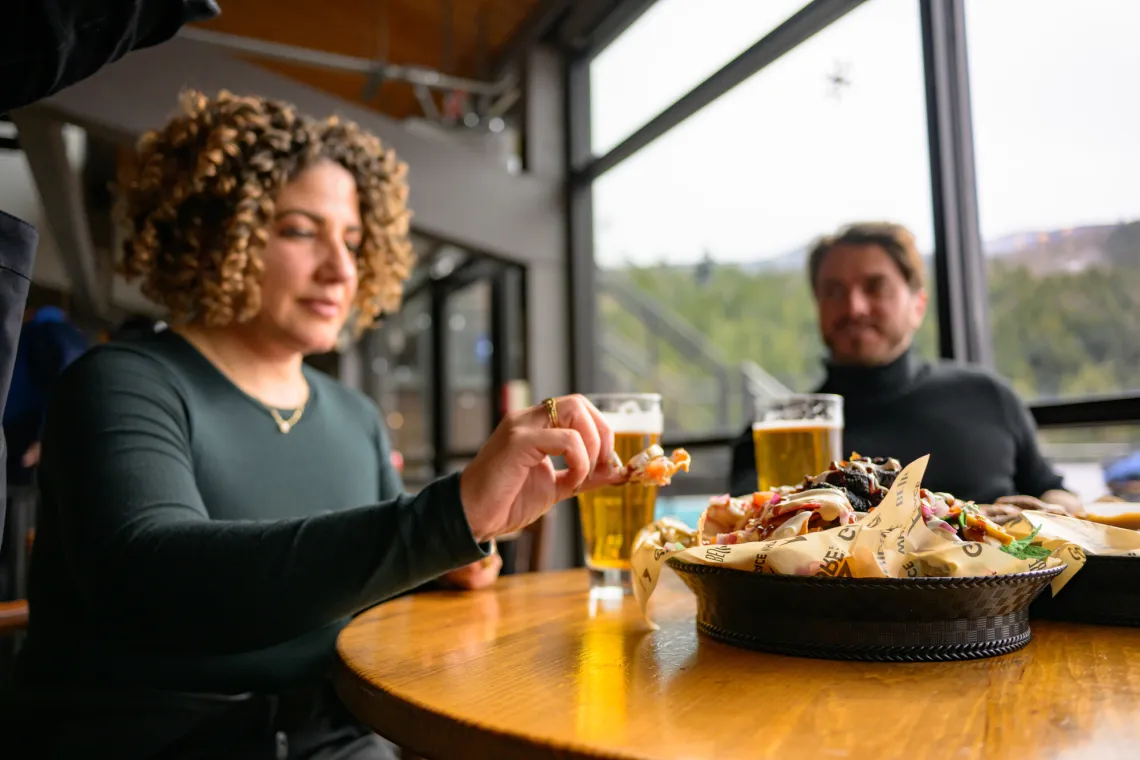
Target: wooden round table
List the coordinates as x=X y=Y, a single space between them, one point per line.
x=534 y=668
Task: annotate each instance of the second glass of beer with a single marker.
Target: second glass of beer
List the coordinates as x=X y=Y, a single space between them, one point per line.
x=612 y=516
x=797 y=436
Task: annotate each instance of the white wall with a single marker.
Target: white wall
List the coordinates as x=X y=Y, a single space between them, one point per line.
x=20 y=196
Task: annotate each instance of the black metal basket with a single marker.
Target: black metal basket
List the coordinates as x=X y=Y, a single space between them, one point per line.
x=873 y=619
x=1106 y=591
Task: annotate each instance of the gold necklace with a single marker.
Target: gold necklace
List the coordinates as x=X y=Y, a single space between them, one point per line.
x=285 y=425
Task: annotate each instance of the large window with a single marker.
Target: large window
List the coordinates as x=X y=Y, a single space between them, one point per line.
x=1056 y=119
x=673 y=47
x=700 y=238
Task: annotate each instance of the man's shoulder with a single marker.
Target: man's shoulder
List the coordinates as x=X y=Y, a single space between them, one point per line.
x=970 y=378
x=950 y=372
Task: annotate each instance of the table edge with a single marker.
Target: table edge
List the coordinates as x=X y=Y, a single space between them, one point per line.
x=433 y=734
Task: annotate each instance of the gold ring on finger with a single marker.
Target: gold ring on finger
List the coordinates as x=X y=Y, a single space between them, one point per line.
x=551 y=411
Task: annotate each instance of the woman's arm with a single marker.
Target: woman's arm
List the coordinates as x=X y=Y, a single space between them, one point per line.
x=140 y=544
x=479 y=574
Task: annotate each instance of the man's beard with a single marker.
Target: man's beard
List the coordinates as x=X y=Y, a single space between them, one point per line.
x=894 y=343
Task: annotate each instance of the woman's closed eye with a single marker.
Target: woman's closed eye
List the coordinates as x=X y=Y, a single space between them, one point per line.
x=296 y=233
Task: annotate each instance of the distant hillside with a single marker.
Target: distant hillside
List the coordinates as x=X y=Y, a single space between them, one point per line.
x=1072 y=249
x=1067 y=250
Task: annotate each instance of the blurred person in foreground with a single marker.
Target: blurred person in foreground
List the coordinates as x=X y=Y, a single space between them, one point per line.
x=49 y=343
x=214 y=510
x=45 y=46
x=869 y=285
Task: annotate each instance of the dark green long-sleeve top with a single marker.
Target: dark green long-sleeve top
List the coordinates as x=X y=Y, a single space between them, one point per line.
x=185 y=543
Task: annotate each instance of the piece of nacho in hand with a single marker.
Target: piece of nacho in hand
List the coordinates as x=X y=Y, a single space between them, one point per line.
x=651 y=467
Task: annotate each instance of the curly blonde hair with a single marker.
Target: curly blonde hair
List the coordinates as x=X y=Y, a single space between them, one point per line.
x=198 y=200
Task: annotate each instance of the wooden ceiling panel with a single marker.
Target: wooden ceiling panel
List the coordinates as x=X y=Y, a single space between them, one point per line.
x=408 y=32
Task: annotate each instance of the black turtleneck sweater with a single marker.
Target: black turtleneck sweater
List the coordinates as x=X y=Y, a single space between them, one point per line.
x=981 y=438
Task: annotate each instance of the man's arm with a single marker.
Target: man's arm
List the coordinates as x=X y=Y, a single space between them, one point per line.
x=1062 y=498
x=47 y=45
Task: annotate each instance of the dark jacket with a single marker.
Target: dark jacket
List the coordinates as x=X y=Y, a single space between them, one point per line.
x=17 y=251
x=46 y=45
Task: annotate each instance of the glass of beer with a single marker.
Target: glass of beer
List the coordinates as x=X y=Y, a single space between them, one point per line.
x=612 y=516
x=798 y=435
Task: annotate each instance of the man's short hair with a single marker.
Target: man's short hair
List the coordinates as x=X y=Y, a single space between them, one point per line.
x=895 y=239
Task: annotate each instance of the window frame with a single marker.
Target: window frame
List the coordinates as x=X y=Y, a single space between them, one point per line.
x=959 y=262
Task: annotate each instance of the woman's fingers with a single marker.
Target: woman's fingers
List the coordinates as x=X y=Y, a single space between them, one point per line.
x=606 y=462
x=605 y=475
x=567 y=444
x=575 y=412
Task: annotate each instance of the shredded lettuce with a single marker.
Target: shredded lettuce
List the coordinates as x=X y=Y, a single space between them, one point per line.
x=1022 y=548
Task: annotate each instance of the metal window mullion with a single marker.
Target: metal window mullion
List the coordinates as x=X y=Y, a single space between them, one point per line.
x=801 y=26
x=1102 y=410
x=440 y=383
x=580 y=231
x=506 y=315
x=959 y=262
x=581 y=279
x=623 y=15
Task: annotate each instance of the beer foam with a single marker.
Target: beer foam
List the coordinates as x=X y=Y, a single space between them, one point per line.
x=636 y=422
x=797 y=424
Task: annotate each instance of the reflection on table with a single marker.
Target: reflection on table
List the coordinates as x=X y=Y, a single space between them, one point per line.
x=536 y=668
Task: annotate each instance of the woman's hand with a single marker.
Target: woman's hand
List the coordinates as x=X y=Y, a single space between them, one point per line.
x=512 y=482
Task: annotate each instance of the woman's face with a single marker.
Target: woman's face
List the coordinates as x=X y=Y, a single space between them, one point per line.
x=310 y=275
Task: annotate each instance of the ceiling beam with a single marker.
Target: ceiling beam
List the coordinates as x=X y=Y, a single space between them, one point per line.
x=542 y=20
x=597 y=32
x=276 y=51
x=574 y=31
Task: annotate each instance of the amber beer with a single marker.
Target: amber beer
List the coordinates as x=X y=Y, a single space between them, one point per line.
x=799 y=436
x=612 y=516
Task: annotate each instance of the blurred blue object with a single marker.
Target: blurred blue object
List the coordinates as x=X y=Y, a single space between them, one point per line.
x=1124 y=469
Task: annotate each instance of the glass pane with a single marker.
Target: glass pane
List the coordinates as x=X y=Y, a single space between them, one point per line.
x=1085 y=454
x=701 y=238
x=469 y=365
x=672 y=48
x=1057 y=160
x=402 y=376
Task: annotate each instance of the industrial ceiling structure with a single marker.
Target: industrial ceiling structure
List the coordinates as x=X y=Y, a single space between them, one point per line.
x=452 y=62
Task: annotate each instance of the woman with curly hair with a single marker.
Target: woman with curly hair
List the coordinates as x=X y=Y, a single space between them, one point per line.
x=214 y=511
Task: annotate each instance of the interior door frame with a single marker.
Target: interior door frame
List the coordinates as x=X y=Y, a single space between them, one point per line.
x=508 y=360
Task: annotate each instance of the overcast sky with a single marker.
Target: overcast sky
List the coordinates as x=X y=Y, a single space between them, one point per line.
x=789 y=154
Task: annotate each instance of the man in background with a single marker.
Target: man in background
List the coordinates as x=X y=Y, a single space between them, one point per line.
x=869 y=285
